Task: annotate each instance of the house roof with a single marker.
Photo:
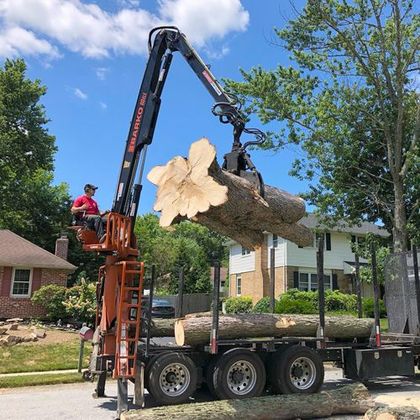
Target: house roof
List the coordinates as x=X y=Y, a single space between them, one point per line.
x=17 y=251
x=311 y=221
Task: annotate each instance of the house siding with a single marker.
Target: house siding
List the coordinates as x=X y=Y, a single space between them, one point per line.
x=23 y=307
x=333 y=260
x=239 y=263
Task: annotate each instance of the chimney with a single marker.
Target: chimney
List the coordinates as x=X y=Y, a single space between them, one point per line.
x=62 y=247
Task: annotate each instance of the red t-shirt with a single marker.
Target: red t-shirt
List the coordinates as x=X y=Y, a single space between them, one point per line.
x=92 y=204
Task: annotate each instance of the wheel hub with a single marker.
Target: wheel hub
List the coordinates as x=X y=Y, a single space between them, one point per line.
x=241 y=377
x=303 y=373
x=174 y=379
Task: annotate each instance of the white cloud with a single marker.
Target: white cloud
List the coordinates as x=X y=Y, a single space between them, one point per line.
x=101 y=72
x=88 y=29
x=15 y=40
x=80 y=94
x=103 y=105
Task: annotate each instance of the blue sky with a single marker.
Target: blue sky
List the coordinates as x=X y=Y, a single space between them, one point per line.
x=91 y=56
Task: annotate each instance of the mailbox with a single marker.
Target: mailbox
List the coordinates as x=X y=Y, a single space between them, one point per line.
x=86 y=333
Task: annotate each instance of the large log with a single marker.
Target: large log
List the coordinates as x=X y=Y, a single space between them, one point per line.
x=198 y=189
x=162 y=327
x=349 y=399
x=196 y=330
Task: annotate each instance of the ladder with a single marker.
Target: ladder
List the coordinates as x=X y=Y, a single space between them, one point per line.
x=128 y=318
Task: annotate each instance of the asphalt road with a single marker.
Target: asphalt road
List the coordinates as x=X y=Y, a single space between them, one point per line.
x=74 y=401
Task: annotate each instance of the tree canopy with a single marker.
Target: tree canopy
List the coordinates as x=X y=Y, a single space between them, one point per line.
x=30 y=204
x=350 y=101
x=187 y=246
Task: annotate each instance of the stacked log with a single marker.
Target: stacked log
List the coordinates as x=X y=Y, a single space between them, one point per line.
x=197 y=189
x=194 y=330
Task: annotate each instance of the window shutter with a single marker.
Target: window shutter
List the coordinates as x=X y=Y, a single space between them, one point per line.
x=296 y=279
x=334 y=282
x=328 y=241
x=7 y=279
x=36 y=279
x=353 y=239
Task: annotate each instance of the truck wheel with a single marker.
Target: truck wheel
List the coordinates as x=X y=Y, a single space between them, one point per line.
x=210 y=376
x=172 y=378
x=297 y=370
x=239 y=374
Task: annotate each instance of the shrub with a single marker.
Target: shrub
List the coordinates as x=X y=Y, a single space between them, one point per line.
x=338 y=301
x=263 y=305
x=80 y=302
x=238 y=305
x=290 y=305
x=368 y=308
x=302 y=295
x=51 y=298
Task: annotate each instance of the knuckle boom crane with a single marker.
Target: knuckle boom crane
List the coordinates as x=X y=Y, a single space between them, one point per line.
x=119 y=319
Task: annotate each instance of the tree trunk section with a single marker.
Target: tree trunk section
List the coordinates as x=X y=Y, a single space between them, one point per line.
x=196 y=330
x=162 y=327
x=197 y=189
x=349 y=399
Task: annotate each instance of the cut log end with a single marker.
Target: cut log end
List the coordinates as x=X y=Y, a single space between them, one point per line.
x=179 y=332
x=198 y=189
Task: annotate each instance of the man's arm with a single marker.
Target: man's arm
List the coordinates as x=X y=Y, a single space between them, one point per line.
x=78 y=206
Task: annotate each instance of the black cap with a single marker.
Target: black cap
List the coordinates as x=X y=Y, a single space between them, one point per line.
x=90 y=187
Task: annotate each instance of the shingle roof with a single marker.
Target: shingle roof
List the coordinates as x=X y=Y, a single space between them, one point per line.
x=17 y=251
x=311 y=221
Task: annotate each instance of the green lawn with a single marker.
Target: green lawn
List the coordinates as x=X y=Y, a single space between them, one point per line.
x=46 y=379
x=35 y=357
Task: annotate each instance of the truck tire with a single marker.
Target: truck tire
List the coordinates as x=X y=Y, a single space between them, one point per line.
x=296 y=370
x=172 y=378
x=239 y=374
x=210 y=376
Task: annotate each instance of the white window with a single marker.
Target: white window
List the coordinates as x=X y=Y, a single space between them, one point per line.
x=309 y=281
x=275 y=241
x=21 y=282
x=245 y=251
x=238 y=285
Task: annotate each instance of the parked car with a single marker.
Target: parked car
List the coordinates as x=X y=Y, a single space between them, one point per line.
x=161 y=308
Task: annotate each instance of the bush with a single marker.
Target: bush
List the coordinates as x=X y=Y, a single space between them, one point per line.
x=263 y=305
x=51 y=298
x=289 y=305
x=80 y=302
x=238 y=305
x=368 y=308
x=338 y=301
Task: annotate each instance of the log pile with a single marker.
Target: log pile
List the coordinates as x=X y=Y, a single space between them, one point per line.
x=350 y=399
x=193 y=330
x=197 y=189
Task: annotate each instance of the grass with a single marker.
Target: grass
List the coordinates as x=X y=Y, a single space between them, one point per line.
x=39 y=358
x=45 y=379
x=384 y=324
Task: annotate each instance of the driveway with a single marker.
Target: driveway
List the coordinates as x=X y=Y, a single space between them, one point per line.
x=74 y=401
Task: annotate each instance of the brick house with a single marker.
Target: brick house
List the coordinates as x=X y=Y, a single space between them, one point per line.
x=24 y=268
x=295 y=267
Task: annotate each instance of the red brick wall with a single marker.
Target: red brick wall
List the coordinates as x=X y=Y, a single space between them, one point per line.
x=23 y=307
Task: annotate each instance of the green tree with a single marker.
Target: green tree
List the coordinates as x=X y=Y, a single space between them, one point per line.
x=351 y=103
x=187 y=245
x=30 y=205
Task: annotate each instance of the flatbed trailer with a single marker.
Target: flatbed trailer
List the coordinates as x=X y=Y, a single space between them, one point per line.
x=243 y=368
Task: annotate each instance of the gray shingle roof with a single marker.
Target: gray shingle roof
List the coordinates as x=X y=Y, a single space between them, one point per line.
x=17 y=251
x=311 y=221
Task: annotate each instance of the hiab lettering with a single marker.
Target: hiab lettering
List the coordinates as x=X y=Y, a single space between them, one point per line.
x=139 y=116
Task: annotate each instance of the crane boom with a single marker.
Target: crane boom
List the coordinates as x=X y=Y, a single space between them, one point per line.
x=167 y=40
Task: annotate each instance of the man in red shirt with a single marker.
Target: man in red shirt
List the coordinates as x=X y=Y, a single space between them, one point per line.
x=86 y=208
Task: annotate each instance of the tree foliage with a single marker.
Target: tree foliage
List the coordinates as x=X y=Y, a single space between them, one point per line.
x=350 y=102
x=187 y=246
x=30 y=204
